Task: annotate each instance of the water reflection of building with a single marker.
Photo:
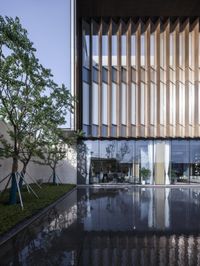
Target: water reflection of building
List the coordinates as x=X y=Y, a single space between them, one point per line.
x=123 y=249
x=153 y=233
x=146 y=210
x=126 y=226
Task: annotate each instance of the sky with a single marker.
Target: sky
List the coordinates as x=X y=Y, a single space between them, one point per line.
x=48 y=26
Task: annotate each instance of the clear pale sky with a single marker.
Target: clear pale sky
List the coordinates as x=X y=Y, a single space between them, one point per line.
x=48 y=25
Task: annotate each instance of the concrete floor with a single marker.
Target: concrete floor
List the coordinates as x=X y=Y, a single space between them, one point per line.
x=113 y=226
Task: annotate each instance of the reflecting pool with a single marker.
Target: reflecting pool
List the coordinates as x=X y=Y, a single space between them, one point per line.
x=112 y=226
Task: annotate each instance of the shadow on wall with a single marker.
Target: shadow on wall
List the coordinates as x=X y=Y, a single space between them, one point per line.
x=66 y=169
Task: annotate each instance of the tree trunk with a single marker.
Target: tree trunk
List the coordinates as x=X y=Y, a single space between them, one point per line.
x=54 y=176
x=13 y=189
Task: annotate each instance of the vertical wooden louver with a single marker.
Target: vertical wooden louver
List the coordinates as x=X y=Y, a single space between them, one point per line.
x=128 y=133
x=109 y=77
x=166 y=56
x=100 y=79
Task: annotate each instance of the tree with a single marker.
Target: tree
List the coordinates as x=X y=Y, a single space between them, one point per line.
x=54 y=150
x=28 y=96
x=46 y=119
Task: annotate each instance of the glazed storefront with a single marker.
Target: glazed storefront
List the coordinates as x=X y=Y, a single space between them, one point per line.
x=139 y=161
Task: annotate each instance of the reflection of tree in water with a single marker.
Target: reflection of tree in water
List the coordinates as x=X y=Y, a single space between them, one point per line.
x=82 y=152
x=82 y=208
x=40 y=244
x=112 y=198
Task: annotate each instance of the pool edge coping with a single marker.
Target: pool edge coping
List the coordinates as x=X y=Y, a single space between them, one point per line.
x=27 y=221
x=141 y=186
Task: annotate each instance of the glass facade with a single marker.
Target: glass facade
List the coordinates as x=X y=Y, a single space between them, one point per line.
x=140 y=82
x=159 y=162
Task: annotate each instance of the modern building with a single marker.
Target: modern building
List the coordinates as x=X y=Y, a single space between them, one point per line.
x=137 y=80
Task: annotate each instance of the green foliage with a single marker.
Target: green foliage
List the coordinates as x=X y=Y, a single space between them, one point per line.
x=11 y=215
x=53 y=150
x=173 y=175
x=145 y=173
x=31 y=103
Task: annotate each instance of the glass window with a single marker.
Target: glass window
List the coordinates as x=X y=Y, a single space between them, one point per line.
x=123 y=50
x=142 y=107
x=124 y=157
x=92 y=155
x=108 y=149
x=85 y=113
x=114 y=131
x=133 y=49
x=123 y=104
x=86 y=45
x=104 y=103
x=153 y=103
x=86 y=75
x=162 y=50
x=199 y=101
x=133 y=74
x=95 y=104
x=162 y=102
x=105 y=45
x=133 y=104
x=181 y=103
x=191 y=49
x=172 y=88
x=152 y=49
x=191 y=103
x=114 y=44
x=180 y=161
x=199 y=48
x=95 y=74
x=143 y=162
x=114 y=74
x=123 y=74
x=142 y=46
x=114 y=50
x=108 y=161
x=195 y=161
x=114 y=106
x=181 y=49
x=105 y=74
x=95 y=44
x=172 y=49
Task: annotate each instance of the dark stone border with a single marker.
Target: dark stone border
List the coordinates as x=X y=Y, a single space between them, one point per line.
x=27 y=221
x=128 y=185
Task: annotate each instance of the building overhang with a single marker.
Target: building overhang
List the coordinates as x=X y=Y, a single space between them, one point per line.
x=141 y=8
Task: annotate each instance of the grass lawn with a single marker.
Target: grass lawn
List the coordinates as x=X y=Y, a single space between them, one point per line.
x=10 y=215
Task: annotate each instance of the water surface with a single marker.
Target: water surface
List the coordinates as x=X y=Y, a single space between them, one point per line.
x=112 y=226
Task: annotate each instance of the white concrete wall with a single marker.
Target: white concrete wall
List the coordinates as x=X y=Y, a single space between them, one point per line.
x=67 y=169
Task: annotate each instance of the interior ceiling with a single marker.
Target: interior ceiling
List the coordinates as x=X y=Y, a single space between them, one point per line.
x=135 y=8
